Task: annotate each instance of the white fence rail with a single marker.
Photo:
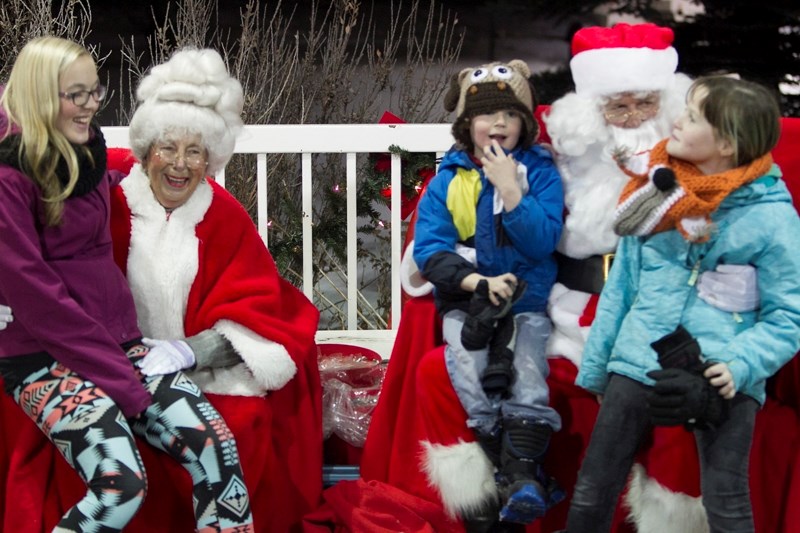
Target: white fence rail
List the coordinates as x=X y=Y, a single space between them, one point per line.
x=350 y=140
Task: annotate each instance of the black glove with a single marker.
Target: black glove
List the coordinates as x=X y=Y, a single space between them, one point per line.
x=483 y=315
x=683 y=397
x=679 y=350
x=498 y=375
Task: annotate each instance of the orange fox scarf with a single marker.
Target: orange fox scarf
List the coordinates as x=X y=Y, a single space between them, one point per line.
x=646 y=207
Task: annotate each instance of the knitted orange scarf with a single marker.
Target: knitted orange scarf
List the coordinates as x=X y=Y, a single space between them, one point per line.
x=643 y=208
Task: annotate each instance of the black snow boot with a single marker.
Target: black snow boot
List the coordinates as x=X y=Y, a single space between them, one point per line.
x=487 y=520
x=529 y=491
x=491 y=443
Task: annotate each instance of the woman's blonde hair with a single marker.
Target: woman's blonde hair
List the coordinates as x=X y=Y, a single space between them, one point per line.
x=31 y=102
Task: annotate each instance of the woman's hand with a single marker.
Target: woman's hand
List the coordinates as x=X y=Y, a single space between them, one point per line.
x=720 y=376
x=166 y=357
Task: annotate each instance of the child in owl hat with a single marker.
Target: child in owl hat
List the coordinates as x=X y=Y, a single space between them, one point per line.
x=487 y=227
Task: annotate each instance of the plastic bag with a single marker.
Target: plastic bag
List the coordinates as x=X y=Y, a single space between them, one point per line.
x=351 y=383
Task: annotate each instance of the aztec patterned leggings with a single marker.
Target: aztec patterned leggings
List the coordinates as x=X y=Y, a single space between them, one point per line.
x=94 y=437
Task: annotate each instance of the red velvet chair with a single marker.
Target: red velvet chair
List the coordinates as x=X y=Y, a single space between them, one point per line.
x=392 y=451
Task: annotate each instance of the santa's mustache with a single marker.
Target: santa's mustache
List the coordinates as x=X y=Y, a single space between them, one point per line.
x=635 y=140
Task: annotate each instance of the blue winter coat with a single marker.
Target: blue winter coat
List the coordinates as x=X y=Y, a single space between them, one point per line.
x=651 y=290
x=459 y=206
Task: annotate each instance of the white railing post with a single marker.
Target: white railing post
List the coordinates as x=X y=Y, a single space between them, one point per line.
x=352 y=243
x=397 y=238
x=308 y=228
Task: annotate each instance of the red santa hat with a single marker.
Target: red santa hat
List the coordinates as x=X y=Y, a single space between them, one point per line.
x=623 y=58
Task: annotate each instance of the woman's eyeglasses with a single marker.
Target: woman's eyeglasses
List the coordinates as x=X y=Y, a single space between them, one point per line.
x=81 y=98
x=194 y=158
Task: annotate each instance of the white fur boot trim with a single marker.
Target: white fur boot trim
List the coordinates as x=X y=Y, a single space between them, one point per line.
x=462 y=474
x=656 y=509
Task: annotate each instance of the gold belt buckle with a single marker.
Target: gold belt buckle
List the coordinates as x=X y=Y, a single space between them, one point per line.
x=608 y=259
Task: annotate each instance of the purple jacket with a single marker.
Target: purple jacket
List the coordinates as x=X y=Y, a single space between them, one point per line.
x=69 y=297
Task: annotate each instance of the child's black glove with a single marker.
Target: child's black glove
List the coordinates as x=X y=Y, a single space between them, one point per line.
x=483 y=315
x=683 y=397
x=679 y=350
x=498 y=375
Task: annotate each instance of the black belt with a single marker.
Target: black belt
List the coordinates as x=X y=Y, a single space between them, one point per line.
x=587 y=275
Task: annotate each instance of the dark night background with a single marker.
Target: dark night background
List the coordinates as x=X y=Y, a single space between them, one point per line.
x=759 y=40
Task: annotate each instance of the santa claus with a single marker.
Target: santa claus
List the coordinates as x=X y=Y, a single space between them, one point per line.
x=627 y=95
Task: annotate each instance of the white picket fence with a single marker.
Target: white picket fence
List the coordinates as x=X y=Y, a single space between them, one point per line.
x=349 y=140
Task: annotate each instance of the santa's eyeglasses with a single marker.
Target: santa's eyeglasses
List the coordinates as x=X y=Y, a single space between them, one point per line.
x=618 y=112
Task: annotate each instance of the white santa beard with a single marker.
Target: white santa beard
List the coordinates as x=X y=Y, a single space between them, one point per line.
x=636 y=140
x=592 y=185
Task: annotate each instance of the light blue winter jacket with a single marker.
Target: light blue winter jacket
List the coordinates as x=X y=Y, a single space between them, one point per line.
x=650 y=290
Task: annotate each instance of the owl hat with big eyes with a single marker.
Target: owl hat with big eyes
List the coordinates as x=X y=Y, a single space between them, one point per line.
x=490 y=88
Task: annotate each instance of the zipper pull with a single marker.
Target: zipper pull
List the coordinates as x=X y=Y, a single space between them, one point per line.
x=694 y=275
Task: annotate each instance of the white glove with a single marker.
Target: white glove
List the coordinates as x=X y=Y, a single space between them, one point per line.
x=732 y=288
x=5 y=316
x=166 y=357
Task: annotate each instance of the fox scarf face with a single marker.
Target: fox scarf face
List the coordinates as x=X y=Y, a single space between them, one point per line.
x=674 y=194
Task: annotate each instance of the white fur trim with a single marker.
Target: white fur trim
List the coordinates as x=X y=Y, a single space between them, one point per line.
x=565 y=308
x=162 y=260
x=266 y=365
x=410 y=277
x=269 y=362
x=656 y=509
x=696 y=227
x=462 y=474
x=605 y=71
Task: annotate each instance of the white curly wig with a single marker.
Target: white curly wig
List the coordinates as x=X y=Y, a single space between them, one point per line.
x=191 y=93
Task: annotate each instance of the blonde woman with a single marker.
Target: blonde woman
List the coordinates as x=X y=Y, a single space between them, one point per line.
x=69 y=358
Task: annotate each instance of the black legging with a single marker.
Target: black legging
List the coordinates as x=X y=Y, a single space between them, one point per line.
x=97 y=441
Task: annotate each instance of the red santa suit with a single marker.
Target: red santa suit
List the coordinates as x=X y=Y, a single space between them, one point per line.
x=204 y=266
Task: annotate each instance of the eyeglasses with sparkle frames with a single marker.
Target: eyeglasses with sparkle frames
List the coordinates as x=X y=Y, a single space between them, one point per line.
x=194 y=158
x=81 y=98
